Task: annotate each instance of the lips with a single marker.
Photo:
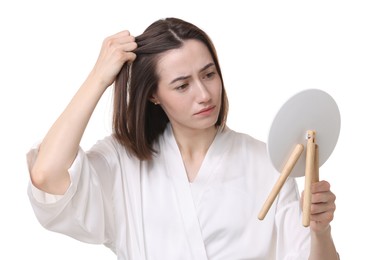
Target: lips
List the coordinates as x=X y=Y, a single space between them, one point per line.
x=205 y=110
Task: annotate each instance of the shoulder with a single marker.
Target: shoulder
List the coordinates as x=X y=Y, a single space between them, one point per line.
x=242 y=139
x=105 y=145
x=110 y=149
x=246 y=148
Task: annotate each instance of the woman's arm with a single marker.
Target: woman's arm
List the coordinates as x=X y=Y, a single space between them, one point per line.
x=322 y=212
x=60 y=145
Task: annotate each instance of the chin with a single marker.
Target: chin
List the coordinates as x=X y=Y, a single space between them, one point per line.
x=207 y=125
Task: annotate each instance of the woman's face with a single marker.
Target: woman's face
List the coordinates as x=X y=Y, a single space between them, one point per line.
x=190 y=87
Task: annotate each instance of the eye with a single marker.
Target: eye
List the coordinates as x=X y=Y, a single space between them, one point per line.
x=181 y=87
x=209 y=75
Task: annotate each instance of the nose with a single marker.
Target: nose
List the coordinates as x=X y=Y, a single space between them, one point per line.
x=203 y=95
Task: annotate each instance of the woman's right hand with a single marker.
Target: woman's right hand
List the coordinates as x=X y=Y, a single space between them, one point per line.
x=115 y=51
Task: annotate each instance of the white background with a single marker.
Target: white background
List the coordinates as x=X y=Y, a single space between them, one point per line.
x=268 y=52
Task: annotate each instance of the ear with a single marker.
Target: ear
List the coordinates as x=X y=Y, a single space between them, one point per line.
x=153 y=99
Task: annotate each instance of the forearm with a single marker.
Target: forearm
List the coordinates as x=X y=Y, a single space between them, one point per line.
x=60 y=145
x=322 y=246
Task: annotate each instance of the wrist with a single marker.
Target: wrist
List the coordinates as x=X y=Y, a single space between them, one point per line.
x=97 y=80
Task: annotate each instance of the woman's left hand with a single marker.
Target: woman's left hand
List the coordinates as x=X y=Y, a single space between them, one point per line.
x=322 y=206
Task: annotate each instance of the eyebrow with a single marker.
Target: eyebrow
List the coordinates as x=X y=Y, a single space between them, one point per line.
x=186 y=77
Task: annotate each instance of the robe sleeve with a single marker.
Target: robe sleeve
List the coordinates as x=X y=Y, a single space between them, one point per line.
x=293 y=240
x=84 y=211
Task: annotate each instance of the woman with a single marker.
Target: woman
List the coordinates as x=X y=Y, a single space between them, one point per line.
x=172 y=182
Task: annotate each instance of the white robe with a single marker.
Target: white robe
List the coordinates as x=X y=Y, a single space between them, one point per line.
x=149 y=210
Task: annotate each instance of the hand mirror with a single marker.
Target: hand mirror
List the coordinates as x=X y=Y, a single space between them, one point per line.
x=306 y=114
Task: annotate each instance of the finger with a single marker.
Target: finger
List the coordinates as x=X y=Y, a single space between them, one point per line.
x=117 y=38
x=126 y=42
x=322 y=197
x=320 y=186
x=317 y=208
x=129 y=56
x=123 y=52
x=121 y=34
x=129 y=46
x=326 y=217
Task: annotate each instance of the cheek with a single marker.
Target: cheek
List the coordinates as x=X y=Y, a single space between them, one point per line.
x=217 y=92
x=177 y=105
x=177 y=108
x=172 y=106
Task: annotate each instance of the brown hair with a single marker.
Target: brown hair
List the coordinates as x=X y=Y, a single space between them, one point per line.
x=137 y=122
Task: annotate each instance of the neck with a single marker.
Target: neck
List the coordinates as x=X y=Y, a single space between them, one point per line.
x=193 y=142
x=194 y=145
